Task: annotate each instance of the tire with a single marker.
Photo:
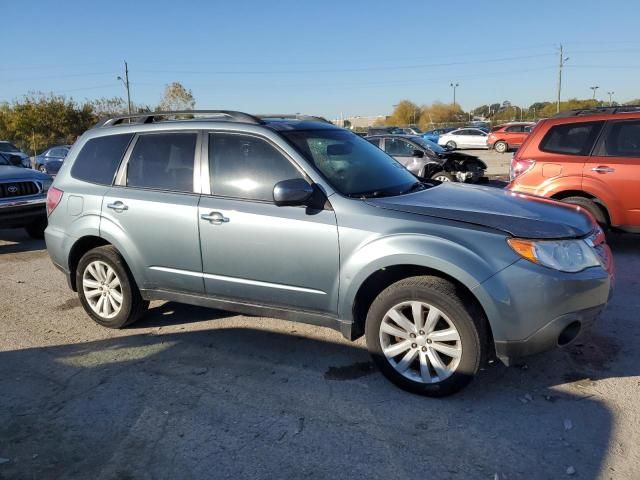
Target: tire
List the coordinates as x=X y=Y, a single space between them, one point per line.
x=592 y=207
x=93 y=267
x=443 y=176
x=36 y=229
x=500 y=147
x=452 y=145
x=435 y=295
x=42 y=168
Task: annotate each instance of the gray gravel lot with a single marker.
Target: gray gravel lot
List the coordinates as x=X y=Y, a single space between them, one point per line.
x=195 y=393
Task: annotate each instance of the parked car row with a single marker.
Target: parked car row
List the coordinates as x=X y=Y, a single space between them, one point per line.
x=49 y=161
x=438 y=276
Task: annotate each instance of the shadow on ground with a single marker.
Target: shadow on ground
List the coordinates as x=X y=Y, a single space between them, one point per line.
x=16 y=241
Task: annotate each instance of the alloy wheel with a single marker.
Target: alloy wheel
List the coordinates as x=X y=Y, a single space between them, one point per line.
x=102 y=289
x=420 y=342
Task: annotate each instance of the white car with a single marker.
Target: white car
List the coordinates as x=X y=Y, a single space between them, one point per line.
x=464 y=138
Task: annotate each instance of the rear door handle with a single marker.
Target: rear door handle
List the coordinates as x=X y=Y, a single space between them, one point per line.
x=118 y=206
x=603 y=169
x=215 y=218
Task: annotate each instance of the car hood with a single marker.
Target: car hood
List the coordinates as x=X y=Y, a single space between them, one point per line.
x=518 y=215
x=9 y=172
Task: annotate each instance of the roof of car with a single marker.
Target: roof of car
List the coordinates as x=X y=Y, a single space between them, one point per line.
x=278 y=122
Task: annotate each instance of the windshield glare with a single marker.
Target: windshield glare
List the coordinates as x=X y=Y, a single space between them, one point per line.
x=351 y=165
x=434 y=147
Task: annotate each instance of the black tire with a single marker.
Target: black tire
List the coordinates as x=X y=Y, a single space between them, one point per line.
x=132 y=307
x=452 y=145
x=42 y=169
x=592 y=207
x=36 y=229
x=442 y=294
x=501 y=147
x=442 y=175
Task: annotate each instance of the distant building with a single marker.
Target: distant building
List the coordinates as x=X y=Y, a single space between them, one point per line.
x=358 y=121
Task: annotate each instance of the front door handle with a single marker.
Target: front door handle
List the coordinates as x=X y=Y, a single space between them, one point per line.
x=118 y=206
x=215 y=218
x=603 y=169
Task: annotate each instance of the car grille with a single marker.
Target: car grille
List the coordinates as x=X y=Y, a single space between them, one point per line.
x=18 y=189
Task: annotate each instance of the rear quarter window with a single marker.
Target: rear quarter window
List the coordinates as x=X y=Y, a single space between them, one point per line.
x=572 y=138
x=99 y=159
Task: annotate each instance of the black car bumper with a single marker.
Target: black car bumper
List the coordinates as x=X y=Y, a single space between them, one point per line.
x=20 y=213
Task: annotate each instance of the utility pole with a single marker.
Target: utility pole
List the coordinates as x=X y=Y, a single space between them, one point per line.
x=594 y=88
x=125 y=80
x=454 y=86
x=562 y=62
x=610 y=98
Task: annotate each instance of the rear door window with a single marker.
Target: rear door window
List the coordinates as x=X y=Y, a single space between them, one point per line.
x=622 y=140
x=163 y=161
x=398 y=147
x=571 y=139
x=99 y=159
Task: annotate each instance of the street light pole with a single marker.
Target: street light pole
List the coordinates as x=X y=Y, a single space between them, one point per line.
x=610 y=98
x=594 y=88
x=562 y=62
x=454 y=86
x=125 y=80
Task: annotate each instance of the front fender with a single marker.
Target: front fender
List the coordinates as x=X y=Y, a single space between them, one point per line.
x=452 y=259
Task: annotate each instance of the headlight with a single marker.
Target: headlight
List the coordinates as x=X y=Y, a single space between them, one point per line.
x=562 y=255
x=45 y=185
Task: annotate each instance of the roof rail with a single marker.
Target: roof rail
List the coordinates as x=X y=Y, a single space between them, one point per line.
x=152 y=117
x=292 y=116
x=596 y=110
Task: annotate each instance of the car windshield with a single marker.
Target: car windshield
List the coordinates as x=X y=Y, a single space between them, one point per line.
x=8 y=147
x=3 y=160
x=433 y=146
x=416 y=130
x=353 y=166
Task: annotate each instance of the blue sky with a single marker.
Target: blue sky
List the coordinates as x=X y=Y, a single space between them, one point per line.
x=325 y=57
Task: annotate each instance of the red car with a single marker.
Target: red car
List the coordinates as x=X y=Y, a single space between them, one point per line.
x=508 y=136
x=590 y=158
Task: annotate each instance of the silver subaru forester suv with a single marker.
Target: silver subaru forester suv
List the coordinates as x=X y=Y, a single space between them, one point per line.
x=294 y=218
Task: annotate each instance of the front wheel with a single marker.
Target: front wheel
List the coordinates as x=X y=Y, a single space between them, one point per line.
x=500 y=147
x=107 y=289
x=423 y=338
x=442 y=176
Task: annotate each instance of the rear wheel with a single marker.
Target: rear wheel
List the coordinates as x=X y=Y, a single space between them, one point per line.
x=42 y=168
x=590 y=206
x=452 y=145
x=423 y=338
x=107 y=289
x=501 y=147
x=442 y=176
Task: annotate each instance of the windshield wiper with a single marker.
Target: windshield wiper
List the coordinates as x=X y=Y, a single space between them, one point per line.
x=416 y=187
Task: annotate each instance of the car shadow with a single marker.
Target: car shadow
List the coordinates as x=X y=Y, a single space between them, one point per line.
x=251 y=403
x=16 y=240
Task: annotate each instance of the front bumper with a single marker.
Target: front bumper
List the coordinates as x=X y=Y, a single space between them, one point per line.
x=529 y=306
x=22 y=212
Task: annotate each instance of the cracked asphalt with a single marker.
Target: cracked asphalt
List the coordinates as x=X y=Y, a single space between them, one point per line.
x=196 y=393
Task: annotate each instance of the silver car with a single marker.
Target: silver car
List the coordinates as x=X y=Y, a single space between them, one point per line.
x=298 y=219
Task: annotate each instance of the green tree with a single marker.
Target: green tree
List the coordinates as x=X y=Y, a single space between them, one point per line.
x=37 y=121
x=176 y=97
x=404 y=113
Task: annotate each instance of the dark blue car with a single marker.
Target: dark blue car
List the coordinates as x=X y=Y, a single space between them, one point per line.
x=433 y=135
x=51 y=159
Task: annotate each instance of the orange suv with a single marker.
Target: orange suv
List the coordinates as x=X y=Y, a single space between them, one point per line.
x=590 y=158
x=509 y=135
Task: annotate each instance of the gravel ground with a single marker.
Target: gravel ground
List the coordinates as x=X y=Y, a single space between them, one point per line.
x=195 y=393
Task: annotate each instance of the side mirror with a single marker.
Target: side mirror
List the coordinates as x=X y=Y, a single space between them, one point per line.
x=292 y=192
x=418 y=153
